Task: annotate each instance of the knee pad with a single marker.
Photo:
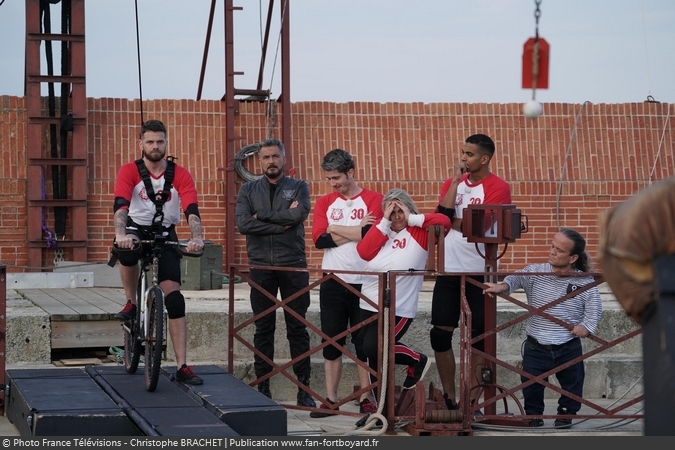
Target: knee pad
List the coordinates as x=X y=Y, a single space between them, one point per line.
x=332 y=353
x=441 y=340
x=175 y=305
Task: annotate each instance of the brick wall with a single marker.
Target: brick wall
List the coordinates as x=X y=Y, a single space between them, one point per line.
x=564 y=168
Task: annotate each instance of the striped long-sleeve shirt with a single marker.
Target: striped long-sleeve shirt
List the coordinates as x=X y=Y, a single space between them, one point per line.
x=584 y=308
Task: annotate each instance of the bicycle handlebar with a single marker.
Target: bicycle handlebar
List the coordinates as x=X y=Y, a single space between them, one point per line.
x=181 y=247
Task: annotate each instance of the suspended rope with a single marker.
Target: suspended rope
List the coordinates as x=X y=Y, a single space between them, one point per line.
x=66 y=120
x=45 y=15
x=535 y=54
x=138 y=51
x=564 y=166
x=372 y=420
x=270 y=112
x=644 y=37
x=658 y=154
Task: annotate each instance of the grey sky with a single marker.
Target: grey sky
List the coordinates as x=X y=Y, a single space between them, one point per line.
x=602 y=51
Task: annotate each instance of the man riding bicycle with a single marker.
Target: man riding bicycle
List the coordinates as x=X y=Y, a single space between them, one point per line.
x=152 y=187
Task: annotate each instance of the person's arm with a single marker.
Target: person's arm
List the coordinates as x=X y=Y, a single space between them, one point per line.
x=295 y=214
x=511 y=283
x=592 y=314
x=427 y=220
x=498 y=192
x=122 y=192
x=449 y=212
x=245 y=216
x=322 y=239
x=375 y=238
x=330 y=236
x=196 y=242
x=342 y=234
x=496 y=288
x=448 y=200
x=185 y=186
x=122 y=240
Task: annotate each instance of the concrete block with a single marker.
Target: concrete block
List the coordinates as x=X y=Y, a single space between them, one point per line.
x=624 y=377
x=47 y=280
x=28 y=338
x=103 y=274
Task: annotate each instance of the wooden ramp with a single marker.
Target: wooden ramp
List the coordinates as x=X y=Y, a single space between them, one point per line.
x=81 y=317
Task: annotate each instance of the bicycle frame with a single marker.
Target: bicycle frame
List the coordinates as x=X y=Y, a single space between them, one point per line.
x=153 y=266
x=148 y=331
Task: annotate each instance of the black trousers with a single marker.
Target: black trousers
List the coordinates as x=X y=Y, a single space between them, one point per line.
x=288 y=283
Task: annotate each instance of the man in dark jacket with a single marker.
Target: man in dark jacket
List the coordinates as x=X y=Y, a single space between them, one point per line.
x=270 y=212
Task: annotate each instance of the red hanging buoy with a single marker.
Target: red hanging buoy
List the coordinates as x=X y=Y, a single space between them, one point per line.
x=535 y=64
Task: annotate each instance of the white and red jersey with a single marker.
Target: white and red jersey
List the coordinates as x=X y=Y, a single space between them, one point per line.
x=461 y=255
x=334 y=209
x=129 y=186
x=407 y=249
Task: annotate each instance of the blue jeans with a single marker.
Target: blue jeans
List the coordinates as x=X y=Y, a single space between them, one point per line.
x=538 y=359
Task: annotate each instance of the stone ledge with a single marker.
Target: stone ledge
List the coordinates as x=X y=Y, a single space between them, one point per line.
x=609 y=374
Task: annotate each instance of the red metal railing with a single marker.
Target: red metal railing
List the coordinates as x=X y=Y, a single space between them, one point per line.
x=423 y=415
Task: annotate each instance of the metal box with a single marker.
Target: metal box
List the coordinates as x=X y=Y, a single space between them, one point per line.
x=203 y=273
x=63 y=402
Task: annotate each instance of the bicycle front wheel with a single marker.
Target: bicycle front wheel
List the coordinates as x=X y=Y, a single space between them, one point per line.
x=155 y=339
x=132 y=337
x=132 y=346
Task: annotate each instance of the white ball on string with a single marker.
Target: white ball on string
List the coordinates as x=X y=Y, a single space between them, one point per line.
x=533 y=109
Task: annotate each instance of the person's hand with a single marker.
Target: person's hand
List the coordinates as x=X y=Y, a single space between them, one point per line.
x=495 y=288
x=458 y=170
x=194 y=245
x=403 y=208
x=125 y=241
x=294 y=204
x=580 y=331
x=389 y=209
x=368 y=220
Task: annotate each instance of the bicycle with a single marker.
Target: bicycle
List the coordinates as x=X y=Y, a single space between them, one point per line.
x=147 y=329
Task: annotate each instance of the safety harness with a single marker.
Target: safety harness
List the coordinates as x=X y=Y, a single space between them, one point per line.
x=157 y=198
x=161 y=197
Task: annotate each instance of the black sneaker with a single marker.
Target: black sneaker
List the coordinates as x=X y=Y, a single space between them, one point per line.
x=187 y=376
x=449 y=403
x=564 y=422
x=367 y=407
x=321 y=415
x=128 y=312
x=416 y=372
x=536 y=423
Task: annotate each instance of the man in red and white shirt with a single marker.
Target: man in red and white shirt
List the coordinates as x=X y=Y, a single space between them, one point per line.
x=340 y=220
x=472 y=182
x=134 y=211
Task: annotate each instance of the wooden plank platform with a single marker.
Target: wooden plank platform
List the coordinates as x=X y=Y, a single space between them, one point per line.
x=77 y=304
x=81 y=317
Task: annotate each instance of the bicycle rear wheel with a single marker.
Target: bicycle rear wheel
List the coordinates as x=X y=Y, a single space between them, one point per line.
x=155 y=339
x=132 y=339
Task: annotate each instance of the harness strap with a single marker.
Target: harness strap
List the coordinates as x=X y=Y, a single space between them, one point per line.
x=160 y=198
